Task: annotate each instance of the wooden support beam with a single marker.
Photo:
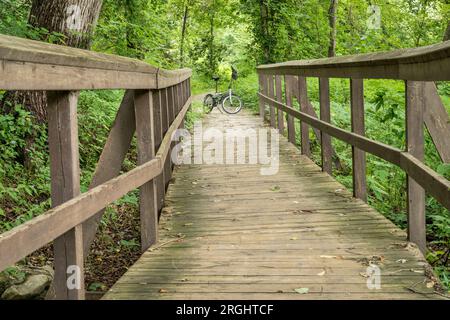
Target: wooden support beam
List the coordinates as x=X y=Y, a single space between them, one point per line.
x=304 y=128
x=358 y=156
x=279 y=97
x=325 y=139
x=437 y=121
x=65 y=185
x=112 y=157
x=158 y=136
x=262 y=105
x=288 y=88
x=415 y=146
x=148 y=197
x=270 y=91
x=168 y=122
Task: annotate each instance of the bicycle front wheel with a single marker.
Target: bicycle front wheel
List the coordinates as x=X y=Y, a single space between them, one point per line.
x=232 y=104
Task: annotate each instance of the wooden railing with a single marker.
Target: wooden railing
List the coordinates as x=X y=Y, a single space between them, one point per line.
x=418 y=68
x=154 y=106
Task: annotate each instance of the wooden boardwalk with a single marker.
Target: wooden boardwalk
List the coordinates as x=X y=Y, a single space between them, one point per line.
x=228 y=232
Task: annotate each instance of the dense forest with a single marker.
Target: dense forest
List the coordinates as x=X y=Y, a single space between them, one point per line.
x=209 y=36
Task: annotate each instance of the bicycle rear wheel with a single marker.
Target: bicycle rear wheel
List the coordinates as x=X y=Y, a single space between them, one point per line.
x=208 y=102
x=232 y=104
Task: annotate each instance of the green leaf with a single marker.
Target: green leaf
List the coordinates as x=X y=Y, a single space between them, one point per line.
x=302 y=290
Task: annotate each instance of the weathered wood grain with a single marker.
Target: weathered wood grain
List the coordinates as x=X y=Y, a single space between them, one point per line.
x=65 y=185
x=358 y=127
x=415 y=146
x=148 y=197
x=279 y=97
x=325 y=139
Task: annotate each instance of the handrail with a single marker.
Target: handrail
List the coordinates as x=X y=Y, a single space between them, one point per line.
x=432 y=182
x=418 y=67
x=34 y=65
x=154 y=106
x=429 y=63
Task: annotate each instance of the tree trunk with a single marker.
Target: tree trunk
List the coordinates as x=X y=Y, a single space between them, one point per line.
x=332 y=23
x=447 y=32
x=212 y=67
x=183 y=34
x=76 y=20
x=265 y=30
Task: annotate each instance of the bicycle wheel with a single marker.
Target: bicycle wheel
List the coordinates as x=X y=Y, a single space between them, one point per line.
x=232 y=104
x=208 y=102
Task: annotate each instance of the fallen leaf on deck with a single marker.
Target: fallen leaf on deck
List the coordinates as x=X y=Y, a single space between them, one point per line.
x=302 y=290
x=275 y=188
x=322 y=273
x=162 y=291
x=364 y=275
x=430 y=284
x=401 y=260
x=294 y=238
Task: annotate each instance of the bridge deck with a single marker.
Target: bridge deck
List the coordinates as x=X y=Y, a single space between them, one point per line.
x=228 y=232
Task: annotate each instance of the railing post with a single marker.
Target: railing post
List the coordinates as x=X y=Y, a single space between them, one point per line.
x=415 y=146
x=271 y=94
x=158 y=136
x=262 y=105
x=304 y=128
x=279 y=94
x=148 y=196
x=358 y=156
x=288 y=87
x=166 y=124
x=65 y=185
x=325 y=139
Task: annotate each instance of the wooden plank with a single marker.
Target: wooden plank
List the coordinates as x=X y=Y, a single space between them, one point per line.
x=288 y=86
x=304 y=128
x=430 y=63
x=358 y=156
x=279 y=96
x=148 y=197
x=39 y=231
x=437 y=121
x=325 y=139
x=65 y=185
x=110 y=162
x=415 y=146
x=435 y=184
x=271 y=93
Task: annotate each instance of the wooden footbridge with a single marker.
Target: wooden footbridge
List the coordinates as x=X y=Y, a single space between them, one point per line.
x=226 y=231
